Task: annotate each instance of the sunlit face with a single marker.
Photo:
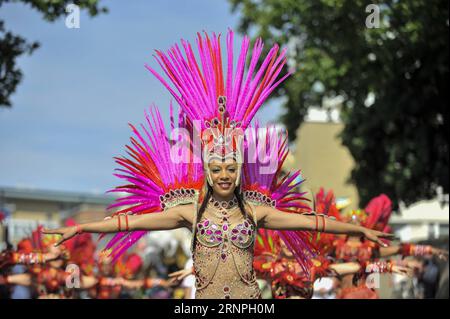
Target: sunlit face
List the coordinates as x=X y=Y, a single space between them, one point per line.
x=57 y=263
x=223 y=175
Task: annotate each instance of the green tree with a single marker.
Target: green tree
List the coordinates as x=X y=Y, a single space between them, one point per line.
x=13 y=46
x=399 y=140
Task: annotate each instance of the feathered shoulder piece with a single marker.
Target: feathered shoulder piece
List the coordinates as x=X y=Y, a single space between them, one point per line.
x=156 y=177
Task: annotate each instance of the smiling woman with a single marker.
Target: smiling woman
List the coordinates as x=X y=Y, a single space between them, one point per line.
x=235 y=197
x=224 y=176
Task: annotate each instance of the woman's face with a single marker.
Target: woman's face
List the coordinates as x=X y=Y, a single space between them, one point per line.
x=56 y=251
x=223 y=175
x=58 y=263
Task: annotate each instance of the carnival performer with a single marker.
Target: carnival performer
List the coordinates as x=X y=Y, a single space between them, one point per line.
x=116 y=280
x=164 y=193
x=275 y=263
x=45 y=262
x=356 y=249
x=46 y=265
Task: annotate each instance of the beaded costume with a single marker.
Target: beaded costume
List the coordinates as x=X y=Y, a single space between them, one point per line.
x=375 y=216
x=215 y=114
x=223 y=254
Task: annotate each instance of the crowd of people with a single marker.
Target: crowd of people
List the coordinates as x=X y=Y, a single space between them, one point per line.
x=161 y=265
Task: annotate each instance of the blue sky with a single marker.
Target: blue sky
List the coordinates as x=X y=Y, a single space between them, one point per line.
x=83 y=86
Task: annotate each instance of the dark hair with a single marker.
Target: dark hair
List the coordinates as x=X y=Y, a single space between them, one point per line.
x=200 y=213
x=209 y=192
x=241 y=204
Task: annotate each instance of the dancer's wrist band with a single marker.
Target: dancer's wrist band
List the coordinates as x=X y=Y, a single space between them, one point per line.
x=79 y=230
x=119 y=223
x=390 y=266
x=28 y=259
x=15 y=258
x=152 y=282
x=416 y=250
x=380 y=266
x=317 y=223
x=5 y=279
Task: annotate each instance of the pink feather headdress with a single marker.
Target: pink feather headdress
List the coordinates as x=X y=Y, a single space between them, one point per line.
x=197 y=83
x=223 y=101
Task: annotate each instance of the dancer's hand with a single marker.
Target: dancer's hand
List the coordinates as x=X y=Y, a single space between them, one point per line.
x=402 y=270
x=376 y=236
x=5 y=258
x=65 y=232
x=414 y=264
x=440 y=253
x=179 y=275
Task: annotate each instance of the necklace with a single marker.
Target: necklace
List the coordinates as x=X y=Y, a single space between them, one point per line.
x=224 y=209
x=225 y=204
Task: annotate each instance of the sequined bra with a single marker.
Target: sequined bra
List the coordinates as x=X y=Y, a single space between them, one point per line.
x=211 y=234
x=223 y=255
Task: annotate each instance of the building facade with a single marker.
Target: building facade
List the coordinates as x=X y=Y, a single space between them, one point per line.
x=26 y=209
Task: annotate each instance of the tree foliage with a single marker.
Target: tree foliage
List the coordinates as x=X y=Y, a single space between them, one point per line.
x=13 y=46
x=399 y=138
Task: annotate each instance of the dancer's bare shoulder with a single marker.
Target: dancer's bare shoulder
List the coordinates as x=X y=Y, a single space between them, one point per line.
x=254 y=210
x=187 y=211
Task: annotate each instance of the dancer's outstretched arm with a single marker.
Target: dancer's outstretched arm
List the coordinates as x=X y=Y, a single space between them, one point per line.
x=17 y=279
x=350 y=268
x=407 y=249
x=343 y=269
x=172 y=218
x=9 y=258
x=144 y=283
x=272 y=218
x=26 y=280
x=88 y=282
